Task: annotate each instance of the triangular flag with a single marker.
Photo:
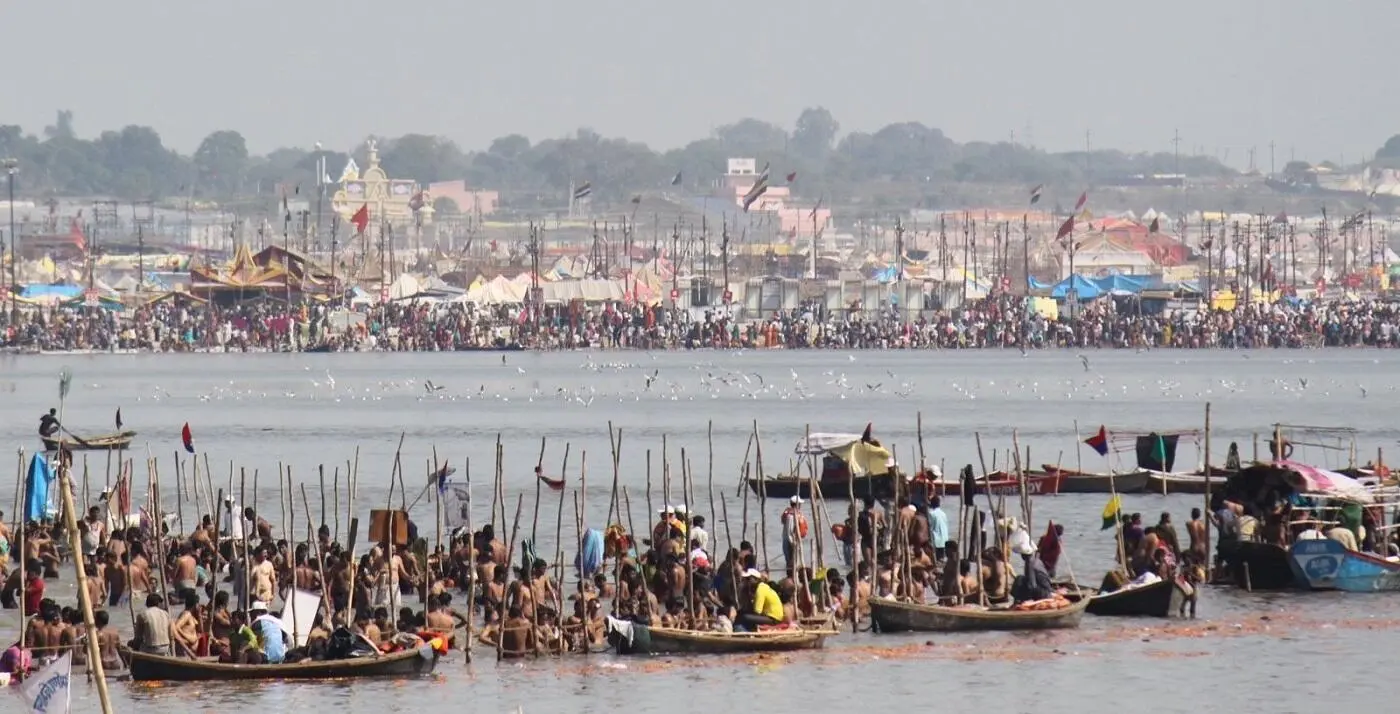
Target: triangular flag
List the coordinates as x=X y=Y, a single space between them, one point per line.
x=1083 y=199
x=187 y=437
x=1154 y=226
x=361 y=218
x=1111 y=512
x=792 y=177
x=119 y=418
x=676 y=180
x=1066 y=228
x=1035 y=194
x=1099 y=442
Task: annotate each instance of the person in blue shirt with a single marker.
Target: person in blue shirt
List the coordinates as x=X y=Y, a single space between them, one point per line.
x=269 y=631
x=937 y=524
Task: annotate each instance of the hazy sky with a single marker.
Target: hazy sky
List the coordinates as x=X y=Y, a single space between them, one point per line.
x=1231 y=74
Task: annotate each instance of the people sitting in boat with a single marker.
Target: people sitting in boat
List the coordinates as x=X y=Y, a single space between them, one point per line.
x=185 y=633
x=995 y=583
x=1034 y=583
x=48 y=424
x=765 y=607
x=152 y=627
x=270 y=634
x=1049 y=547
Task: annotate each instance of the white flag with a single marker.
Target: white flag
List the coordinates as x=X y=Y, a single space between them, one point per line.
x=46 y=691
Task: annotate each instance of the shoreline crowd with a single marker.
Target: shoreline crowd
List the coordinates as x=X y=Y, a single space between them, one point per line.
x=997 y=322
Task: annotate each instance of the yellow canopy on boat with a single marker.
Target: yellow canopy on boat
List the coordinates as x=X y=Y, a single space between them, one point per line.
x=865 y=458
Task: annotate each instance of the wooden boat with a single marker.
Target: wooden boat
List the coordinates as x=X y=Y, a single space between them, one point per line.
x=834 y=488
x=667 y=640
x=832 y=455
x=894 y=616
x=1001 y=483
x=1184 y=483
x=1325 y=564
x=1160 y=599
x=157 y=668
x=105 y=442
x=1258 y=566
x=1090 y=482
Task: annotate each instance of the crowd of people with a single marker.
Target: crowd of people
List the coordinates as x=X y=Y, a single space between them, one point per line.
x=998 y=321
x=230 y=574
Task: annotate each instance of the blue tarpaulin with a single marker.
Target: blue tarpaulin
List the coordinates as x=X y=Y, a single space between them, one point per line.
x=32 y=292
x=1120 y=284
x=36 y=506
x=1083 y=289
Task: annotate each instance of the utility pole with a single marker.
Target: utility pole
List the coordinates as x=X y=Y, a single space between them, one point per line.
x=898 y=249
x=675 y=266
x=1026 y=250
x=1206 y=245
x=943 y=257
x=1271 y=157
x=724 y=259
x=11 y=169
x=967 y=247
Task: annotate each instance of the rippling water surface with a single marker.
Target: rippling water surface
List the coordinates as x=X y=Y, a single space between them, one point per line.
x=308 y=411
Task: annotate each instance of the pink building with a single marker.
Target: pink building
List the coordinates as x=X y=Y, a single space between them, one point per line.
x=468 y=200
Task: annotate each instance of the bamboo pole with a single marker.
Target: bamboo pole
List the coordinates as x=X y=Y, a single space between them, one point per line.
x=539 y=471
x=94 y=655
x=762 y=497
x=471 y=571
x=335 y=497
x=501 y=616
x=1209 y=563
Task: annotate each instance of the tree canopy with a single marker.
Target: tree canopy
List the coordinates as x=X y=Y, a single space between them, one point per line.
x=133 y=163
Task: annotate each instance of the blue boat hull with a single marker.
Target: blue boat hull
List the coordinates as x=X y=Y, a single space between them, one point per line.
x=1327 y=565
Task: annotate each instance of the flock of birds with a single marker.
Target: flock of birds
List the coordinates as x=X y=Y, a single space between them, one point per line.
x=621 y=381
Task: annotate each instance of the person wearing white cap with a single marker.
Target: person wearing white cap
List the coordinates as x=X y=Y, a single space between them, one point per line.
x=794 y=531
x=1035 y=584
x=766 y=608
x=269 y=630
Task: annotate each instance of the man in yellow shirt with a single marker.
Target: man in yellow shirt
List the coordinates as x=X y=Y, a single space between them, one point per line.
x=767 y=606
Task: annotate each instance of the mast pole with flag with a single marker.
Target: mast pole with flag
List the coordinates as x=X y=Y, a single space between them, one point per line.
x=65 y=488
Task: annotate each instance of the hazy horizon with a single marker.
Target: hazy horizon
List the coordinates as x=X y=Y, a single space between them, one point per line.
x=1227 y=76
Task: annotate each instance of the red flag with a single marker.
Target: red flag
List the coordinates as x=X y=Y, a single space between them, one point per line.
x=1066 y=228
x=187 y=437
x=1099 y=441
x=1083 y=199
x=792 y=177
x=361 y=218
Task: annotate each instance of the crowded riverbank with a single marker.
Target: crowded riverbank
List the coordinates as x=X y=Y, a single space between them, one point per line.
x=998 y=322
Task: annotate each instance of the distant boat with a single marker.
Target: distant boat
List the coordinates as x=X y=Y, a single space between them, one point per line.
x=103 y=442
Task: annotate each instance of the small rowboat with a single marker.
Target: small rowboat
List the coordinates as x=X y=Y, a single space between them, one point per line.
x=157 y=668
x=1089 y=482
x=105 y=442
x=895 y=616
x=1159 y=599
x=1003 y=484
x=667 y=640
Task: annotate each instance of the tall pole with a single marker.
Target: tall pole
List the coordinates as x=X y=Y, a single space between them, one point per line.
x=320 y=192
x=12 y=168
x=724 y=258
x=1026 y=249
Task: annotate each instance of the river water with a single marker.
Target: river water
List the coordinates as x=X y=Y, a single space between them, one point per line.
x=1289 y=652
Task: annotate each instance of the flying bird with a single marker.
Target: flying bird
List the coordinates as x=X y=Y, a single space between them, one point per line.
x=652 y=378
x=428 y=386
x=1084 y=359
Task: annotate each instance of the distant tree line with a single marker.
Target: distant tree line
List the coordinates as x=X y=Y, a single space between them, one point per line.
x=908 y=160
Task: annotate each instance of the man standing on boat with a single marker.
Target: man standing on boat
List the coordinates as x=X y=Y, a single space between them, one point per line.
x=48 y=424
x=794 y=531
x=937 y=524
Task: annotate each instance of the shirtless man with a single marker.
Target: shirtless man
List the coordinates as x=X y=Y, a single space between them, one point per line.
x=185 y=632
x=96 y=579
x=518 y=635
x=108 y=642
x=139 y=572
x=264 y=578
x=45 y=632
x=306 y=577
x=186 y=577
x=261 y=526
x=116 y=576
x=1196 y=531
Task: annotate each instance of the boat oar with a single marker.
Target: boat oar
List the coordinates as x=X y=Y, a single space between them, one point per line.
x=76 y=438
